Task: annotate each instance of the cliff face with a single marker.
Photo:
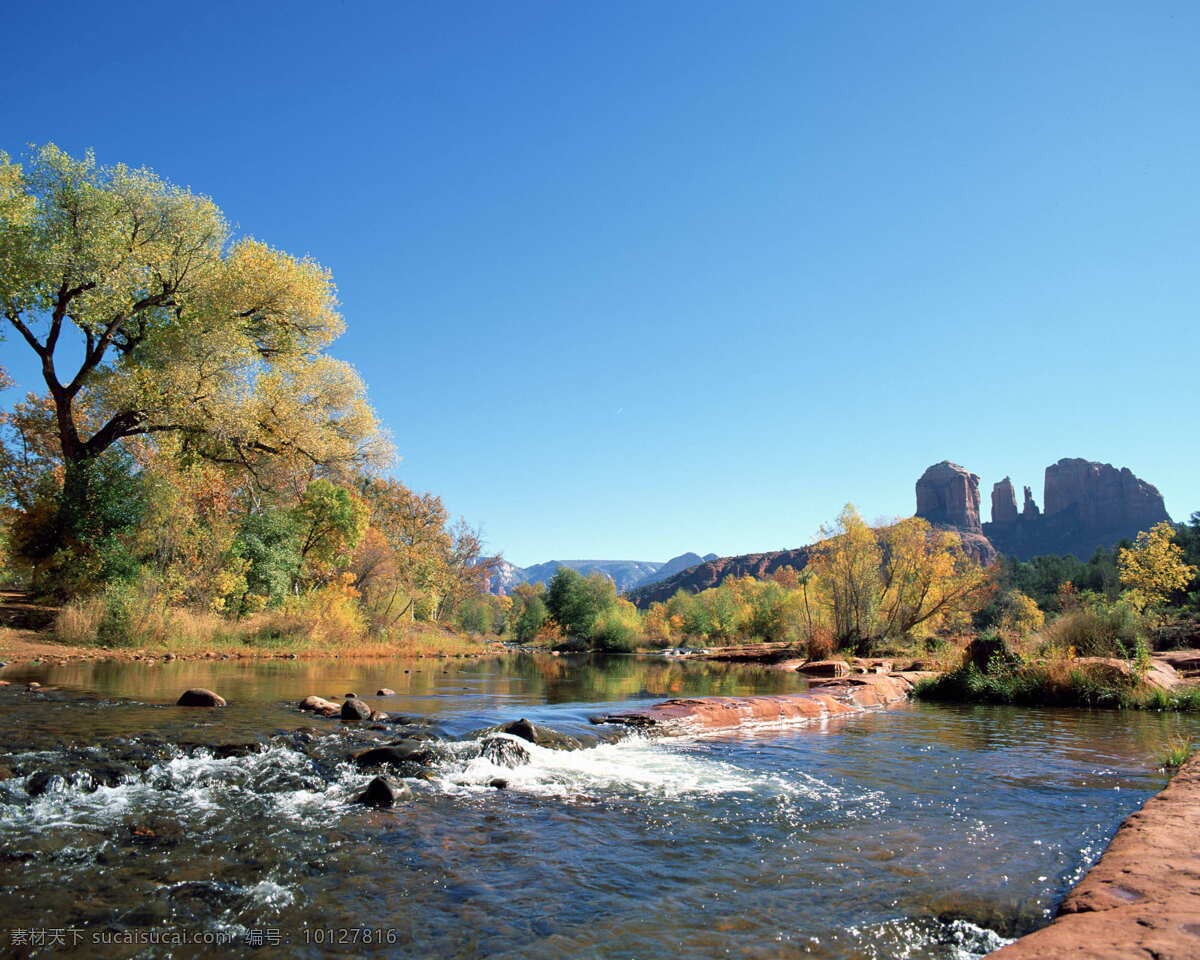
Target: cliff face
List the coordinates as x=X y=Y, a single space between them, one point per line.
x=948 y=497
x=1088 y=505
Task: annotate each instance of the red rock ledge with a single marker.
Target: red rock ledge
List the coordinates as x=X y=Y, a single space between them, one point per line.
x=1142 y=898
x=825 y=699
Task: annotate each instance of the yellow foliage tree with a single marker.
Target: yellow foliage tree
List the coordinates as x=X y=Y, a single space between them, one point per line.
x=170 y=325
x=1153 y=568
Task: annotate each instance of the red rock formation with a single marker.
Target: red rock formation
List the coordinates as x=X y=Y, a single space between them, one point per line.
x=826 y=699
x=1142 y=898
x=1004 y=503
x=1088 y=505
x=1030 y=509
x=1101 y=495
x=948 y=494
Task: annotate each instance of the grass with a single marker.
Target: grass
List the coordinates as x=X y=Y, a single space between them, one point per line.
x=1177 y=752
x=1057 y=681
x=157 y=628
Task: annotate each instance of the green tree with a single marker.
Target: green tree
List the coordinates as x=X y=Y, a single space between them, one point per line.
x=575 y=601
x=331 y=520
x=269 y=541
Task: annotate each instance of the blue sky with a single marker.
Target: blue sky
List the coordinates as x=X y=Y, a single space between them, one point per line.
x=630 y=279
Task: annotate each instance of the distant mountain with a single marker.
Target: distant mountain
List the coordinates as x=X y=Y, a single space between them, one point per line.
x=625 y=574
x=712 y=572
x=673 y=566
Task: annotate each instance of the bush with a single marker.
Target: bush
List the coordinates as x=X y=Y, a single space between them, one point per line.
x=618 y=629
x=1096 y=628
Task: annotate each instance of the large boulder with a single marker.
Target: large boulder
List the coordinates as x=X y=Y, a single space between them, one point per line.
x=382 y=793
x=504 y=751
x=534 y=733
x=200 y=697
x=321 y=706
x=355 y=709
x=825 y=668
x=400 y=753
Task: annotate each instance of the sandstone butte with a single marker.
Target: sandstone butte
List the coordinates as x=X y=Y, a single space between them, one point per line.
x=1142 y=898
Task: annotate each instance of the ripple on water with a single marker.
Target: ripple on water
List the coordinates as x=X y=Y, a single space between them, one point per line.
x=923 y=833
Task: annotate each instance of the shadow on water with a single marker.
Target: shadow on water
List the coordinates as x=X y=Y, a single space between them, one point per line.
x=923 y=832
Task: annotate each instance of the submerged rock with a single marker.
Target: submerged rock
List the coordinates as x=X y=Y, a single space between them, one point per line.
x=44 y=782
x=381 y=793
x=498 y=783
x=385 y=692
x=319 y=705
x=396 y=754
x=200 y=697
x=542 y=736
x=504 y=751
x=355 y=709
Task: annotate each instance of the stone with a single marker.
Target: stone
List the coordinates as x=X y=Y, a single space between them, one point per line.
x=43 y=782
x=504 y=751
x=825 y=668
x=396 y=754
x=355 y=709
x=1142 y=897
x=319 y=705
x=382 y=793
x=385 y=692
x=542 y=736
x=200 y=697
x=498 y=783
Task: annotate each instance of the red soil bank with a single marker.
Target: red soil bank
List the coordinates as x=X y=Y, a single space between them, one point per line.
x=1142 y=898
x=831 y=698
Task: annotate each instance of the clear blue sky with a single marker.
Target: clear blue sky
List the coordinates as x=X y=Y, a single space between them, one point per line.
x=630 y=279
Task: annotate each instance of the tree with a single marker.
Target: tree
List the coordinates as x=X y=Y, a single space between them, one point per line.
x=1153 y=568
x=181 y=328
x=926 y=578
x=847 y=561
x=331 y=520
x=575 y=601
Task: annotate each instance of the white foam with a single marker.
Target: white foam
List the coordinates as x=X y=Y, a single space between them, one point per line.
x=631 y=767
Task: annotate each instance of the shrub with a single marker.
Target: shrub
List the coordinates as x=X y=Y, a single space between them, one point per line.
x=618 y=629
x=1096 y=628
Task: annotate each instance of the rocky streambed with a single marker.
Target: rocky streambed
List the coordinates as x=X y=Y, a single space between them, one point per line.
x=476 y=809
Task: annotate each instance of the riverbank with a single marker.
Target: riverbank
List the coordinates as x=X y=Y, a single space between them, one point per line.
x=1142 y=897
x=419 y=642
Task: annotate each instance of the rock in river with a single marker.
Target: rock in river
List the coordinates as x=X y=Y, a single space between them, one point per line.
x=385 y=692
x=395 y=754
x=381 y=792
x=355 y=709
x=542 y=736
x=319 y=705
x=504 y=751
x=199 y=697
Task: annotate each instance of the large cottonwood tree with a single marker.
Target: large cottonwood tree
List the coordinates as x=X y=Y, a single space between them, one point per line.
x=179 y=327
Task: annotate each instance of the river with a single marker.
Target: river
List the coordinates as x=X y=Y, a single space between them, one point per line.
x=918 y=832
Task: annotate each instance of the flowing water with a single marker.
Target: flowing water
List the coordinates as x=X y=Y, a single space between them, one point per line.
x=135 y=828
